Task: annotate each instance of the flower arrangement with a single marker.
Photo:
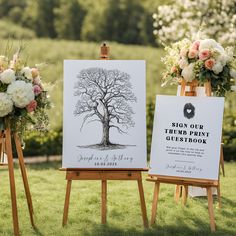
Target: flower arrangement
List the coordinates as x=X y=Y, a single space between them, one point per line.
x=23 y=100
x=201 y=60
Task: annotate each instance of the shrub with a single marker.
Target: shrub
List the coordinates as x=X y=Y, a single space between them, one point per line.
x=10 y=30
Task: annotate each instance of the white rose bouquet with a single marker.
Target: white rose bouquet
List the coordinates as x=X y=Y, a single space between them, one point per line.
x=23 y=100
x=202 y=60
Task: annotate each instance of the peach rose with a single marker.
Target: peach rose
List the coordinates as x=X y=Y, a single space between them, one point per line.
x=204 y=54
x=174 y=69
x=209 y=63
x=34 y=72
x=192 y=53
x=31 y=106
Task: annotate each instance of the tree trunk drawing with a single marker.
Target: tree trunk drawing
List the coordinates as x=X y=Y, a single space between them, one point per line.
x=105 y=137
x=105 y=127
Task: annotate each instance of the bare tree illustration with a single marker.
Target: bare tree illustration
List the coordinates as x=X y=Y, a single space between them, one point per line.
x=105 y=97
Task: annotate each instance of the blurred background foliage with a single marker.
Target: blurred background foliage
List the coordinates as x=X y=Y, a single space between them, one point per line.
x=54 y=30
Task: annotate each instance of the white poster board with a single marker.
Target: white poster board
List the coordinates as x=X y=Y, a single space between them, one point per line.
x=187 y=137
x=104 y=122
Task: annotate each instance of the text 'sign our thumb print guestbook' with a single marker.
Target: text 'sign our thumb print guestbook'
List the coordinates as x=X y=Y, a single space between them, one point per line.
x=104 y=122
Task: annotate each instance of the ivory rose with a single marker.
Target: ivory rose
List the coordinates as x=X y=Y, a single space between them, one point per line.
x=209 y=63
x=188 y=72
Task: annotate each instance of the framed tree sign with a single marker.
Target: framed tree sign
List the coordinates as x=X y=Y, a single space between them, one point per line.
x=104 y=114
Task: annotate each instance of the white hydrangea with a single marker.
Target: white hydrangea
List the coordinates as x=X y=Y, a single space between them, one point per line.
x=188 y=72
x=6 y=104
x=21 y=93
x=217 y=68
x=26 y=71
x=207 y=44
x=7 y=76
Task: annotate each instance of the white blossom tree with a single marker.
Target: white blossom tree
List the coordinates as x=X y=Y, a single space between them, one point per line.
x=104 y=97
x=184 y=18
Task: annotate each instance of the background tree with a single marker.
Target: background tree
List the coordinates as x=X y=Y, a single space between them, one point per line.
x=45 y=18
x=69 y=19
x=104 y=96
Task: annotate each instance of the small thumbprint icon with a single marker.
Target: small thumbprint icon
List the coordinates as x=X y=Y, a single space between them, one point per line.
x=189 y=110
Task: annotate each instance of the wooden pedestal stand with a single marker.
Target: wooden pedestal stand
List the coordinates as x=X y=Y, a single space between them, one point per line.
x=104 y=175
x=6 y=147
x=185 y=182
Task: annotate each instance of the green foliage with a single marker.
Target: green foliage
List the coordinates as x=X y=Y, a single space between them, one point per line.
x=48 y=186
x=10 y=30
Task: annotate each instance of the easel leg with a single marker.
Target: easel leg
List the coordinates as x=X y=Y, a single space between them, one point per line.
x=177 y=192
x=104 y=202
x=12 y=182
x=185 y=194
x=155 y=201
x=210 y=209
x=24 y=177
x=67 y=201
x=219 y=195
x=142 y=202
x=222 y=160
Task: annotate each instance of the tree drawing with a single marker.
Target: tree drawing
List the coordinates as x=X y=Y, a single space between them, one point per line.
x=105 y=97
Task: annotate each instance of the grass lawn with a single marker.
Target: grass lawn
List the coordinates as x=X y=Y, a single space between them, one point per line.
x=48 y=186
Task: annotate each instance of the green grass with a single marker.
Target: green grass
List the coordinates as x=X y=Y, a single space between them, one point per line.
x=48 y=185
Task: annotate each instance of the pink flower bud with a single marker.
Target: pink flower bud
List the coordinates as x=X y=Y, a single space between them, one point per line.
x=37 y=89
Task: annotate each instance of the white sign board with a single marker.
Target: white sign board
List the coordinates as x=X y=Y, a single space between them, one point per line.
x=104 y=122
x=186 y=137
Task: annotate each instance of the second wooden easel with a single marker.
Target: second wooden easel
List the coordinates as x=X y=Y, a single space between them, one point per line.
x=6 y=149
x=182 y=191
x=104 y=175
x=185 y=182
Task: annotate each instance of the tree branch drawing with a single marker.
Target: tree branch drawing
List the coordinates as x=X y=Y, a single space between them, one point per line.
x=105 y=97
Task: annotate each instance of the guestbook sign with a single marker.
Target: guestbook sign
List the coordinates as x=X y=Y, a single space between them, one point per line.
x=187 y=137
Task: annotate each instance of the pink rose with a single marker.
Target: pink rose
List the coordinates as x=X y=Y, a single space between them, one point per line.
x=204 y=54
x=195 y=45
x=192 y=53
x=37 y=89
x=31 y=106
x=209 y=63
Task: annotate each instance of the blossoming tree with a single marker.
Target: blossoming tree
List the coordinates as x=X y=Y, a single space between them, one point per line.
x=217 y=20
x=104 y=97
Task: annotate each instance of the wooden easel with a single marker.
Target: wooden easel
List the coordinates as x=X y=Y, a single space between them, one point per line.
x=104 y=175
x=182 y=191
x=6 y=147
x=185 y=182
